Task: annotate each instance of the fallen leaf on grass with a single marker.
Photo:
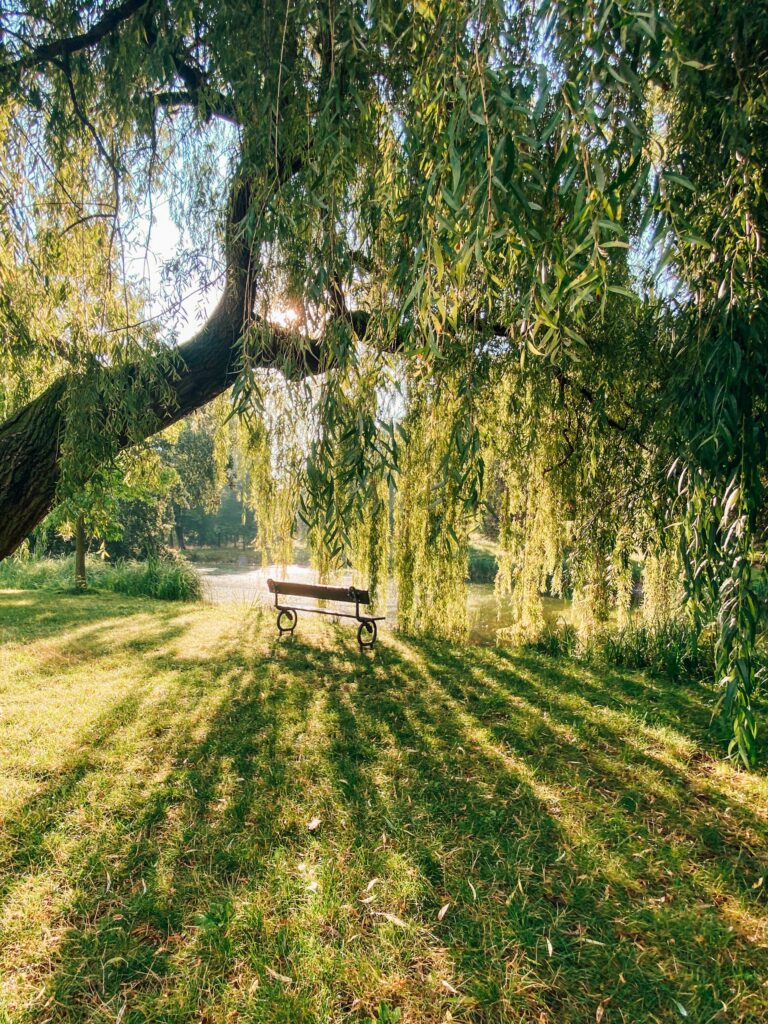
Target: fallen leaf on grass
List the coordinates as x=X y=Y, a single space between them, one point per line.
x=313 y=825
x=371 y=884
x=447 y=985
x=279 y=977
x=443 y=911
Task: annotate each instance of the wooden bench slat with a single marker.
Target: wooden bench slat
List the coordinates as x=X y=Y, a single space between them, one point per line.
x=334 y=613
x=319 y=592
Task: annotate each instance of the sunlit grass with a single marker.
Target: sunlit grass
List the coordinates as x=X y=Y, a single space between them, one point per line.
x=500 y=838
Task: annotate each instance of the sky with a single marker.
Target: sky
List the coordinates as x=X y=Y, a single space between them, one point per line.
x=150 y=246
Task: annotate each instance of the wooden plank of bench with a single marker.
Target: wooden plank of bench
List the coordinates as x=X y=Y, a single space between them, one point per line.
x=335 y=614
x=318 y=591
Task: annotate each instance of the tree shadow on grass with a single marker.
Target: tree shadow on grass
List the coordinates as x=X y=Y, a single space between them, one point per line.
x=81 y=641
x=592 y=860
x=642 y=755
x=622 y=861
x=36 y=614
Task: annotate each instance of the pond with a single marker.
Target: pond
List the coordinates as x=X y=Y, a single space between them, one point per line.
x=244 y=582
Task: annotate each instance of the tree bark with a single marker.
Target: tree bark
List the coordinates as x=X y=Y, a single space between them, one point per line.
x=180 y=536
x=194 y=374
x=29 y=452
x=81 y=581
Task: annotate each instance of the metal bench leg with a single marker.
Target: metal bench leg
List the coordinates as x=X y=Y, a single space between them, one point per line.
x=366 y=633
x=292 y=620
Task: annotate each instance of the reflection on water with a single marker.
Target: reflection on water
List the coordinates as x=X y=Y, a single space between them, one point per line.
x=486 y=614
x=246 y=583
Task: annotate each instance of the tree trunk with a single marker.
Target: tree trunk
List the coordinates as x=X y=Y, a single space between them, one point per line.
x=180 y=536
x=29 y=452
x=81 y=581
x=193 y=374
x=196 y=372
x=30 y=441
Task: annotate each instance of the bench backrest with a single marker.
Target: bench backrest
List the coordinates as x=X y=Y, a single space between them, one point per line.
x=321 y=593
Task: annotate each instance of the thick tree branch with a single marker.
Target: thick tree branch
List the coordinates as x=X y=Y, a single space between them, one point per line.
x=622 y=427
x=217 y=105
x=198 y=371
x=201 y=93
x=194 y=374
x=57 y=48
x=197 y=93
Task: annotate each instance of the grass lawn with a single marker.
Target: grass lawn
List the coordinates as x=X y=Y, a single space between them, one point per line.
x=501 y=838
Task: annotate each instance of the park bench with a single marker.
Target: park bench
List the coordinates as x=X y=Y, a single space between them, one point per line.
x=287 y=613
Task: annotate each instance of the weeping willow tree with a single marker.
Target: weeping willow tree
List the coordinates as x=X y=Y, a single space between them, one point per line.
x=521 y=246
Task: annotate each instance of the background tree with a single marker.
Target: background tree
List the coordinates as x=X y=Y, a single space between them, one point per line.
x=198 y=457
x=124 y=508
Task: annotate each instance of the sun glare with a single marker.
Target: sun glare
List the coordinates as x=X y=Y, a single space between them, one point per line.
x=283 y=316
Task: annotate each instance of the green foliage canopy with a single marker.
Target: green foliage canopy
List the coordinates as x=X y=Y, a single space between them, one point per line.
x=523 y=245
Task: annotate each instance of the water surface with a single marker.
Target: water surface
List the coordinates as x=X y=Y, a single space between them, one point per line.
x=242 y=581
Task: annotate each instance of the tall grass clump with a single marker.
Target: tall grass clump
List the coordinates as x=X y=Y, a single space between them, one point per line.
x=25 y=573
x=558 y=640
x=166 y=579
x=669 y=647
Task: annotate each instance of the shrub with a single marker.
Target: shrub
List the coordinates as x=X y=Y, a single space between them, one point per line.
x=483 y=565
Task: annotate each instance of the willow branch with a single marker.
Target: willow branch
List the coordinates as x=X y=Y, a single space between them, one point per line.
x=58 y=48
